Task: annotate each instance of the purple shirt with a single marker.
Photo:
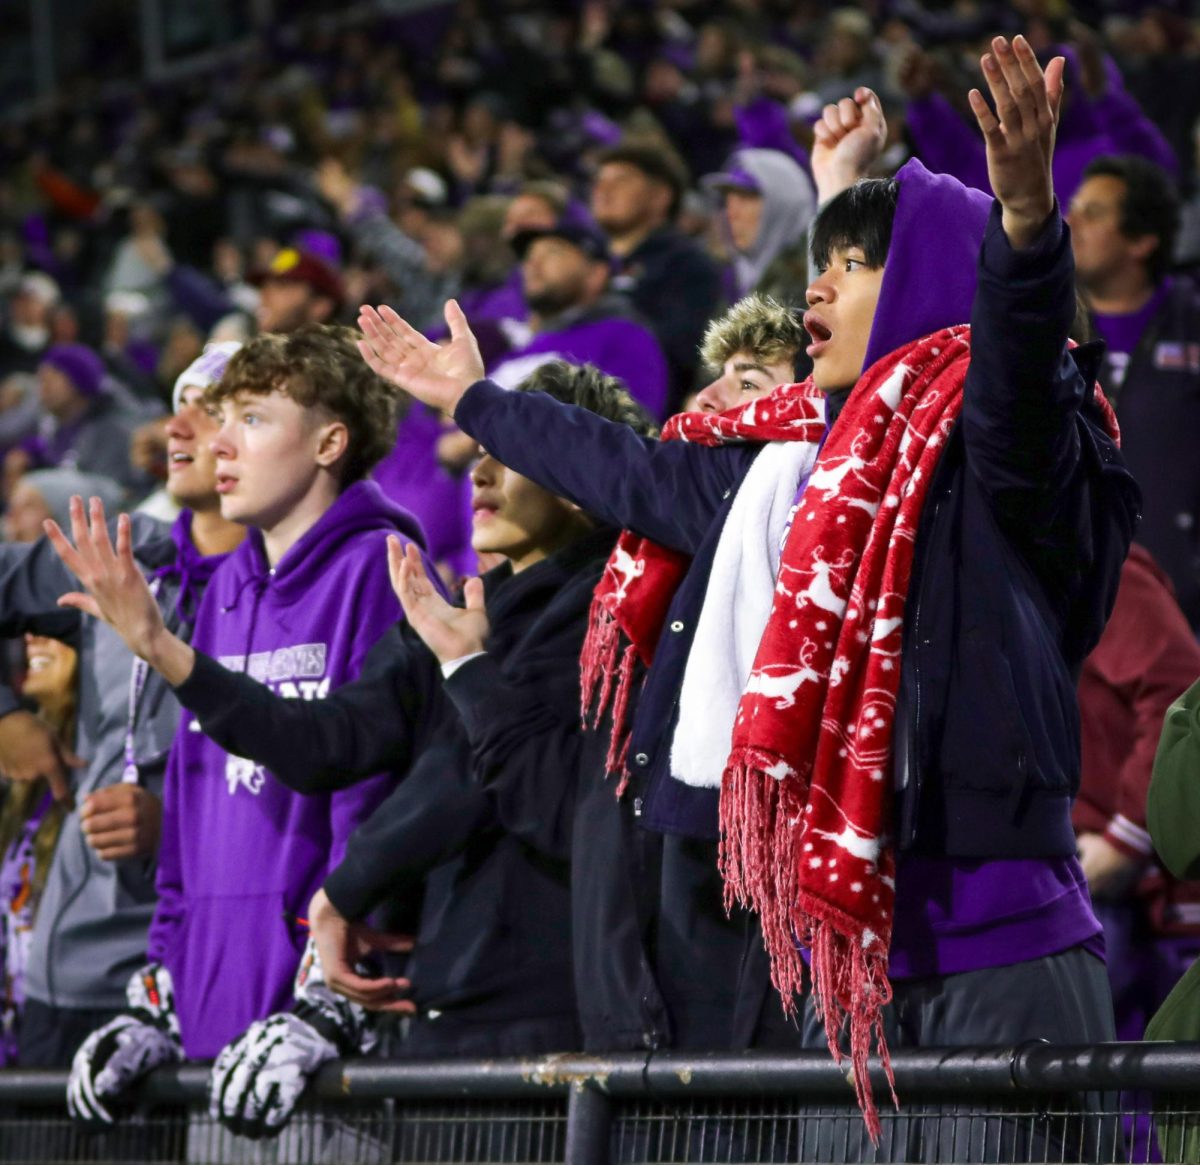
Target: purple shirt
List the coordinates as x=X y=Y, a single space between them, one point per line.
x=1122 y=333
x=412 y=477
x=241 y=854
x=957 y=914
x=618 y=347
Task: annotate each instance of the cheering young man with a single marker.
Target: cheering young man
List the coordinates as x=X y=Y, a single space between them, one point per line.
x=297 y=607
x=864 y=638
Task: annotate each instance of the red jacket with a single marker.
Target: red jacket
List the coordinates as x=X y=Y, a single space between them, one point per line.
x=1146 y=658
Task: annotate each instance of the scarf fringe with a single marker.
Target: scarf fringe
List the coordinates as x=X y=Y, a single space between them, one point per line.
x=598 y=666
x=760 y=861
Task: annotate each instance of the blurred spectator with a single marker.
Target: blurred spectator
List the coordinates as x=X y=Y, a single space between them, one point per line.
x=85 y=424
x=47 y=493
x=299 y=287
x=768 y=202
x=566 y=270
x=1123 y=220
x=669 y=279
x=1098 y=117
x=27 y=328
x=1145 y=659
x=29 y=827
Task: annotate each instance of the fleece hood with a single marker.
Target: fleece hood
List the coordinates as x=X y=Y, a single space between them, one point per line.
x=361 y=508
x=789 y=202
x=930 y=277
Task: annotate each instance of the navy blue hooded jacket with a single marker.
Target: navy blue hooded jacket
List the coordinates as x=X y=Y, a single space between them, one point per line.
x=1017 y=563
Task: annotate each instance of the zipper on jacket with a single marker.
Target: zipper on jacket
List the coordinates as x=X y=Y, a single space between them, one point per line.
x=912 y=777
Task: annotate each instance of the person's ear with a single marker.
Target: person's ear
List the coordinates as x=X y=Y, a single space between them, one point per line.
x=333 y=439
x=1142 y=247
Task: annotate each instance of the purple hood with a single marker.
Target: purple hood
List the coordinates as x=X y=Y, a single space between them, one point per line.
x=929 y=280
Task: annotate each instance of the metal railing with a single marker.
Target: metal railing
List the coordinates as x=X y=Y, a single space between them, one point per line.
x=1104 y=1103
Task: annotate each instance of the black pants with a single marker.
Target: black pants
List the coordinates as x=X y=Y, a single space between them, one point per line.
x=1062 y=998
x=50 y=1036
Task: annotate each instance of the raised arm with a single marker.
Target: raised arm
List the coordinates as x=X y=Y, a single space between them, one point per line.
x=360 y=729
x=666 y=491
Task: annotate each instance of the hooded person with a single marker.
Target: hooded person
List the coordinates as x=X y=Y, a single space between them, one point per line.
x=768 y=202
x=881 y=600
x=297 y=607
x=90 y=932
x=84 y=424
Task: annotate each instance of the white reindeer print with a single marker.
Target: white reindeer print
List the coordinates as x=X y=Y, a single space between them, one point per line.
x=782 y=685
x=819 y=590
x=628 y=568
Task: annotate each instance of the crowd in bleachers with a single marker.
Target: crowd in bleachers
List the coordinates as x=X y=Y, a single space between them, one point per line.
x=619 y=198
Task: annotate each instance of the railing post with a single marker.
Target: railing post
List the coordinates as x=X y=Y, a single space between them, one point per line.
x=589 y=1125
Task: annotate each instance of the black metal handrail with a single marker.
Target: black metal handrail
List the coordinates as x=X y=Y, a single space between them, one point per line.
x=1032 y=1067
x=582 y=1106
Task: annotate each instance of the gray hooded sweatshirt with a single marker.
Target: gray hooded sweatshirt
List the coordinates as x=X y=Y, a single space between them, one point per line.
x=90 y=932
x=789 y=203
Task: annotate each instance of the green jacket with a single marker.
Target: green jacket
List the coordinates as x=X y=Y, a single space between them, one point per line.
x=1173 y=817
x=1173 y=803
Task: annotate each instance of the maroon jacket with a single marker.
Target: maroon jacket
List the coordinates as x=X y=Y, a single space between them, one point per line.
x=1146 y=658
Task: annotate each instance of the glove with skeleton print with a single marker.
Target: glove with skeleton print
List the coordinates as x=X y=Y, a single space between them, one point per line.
x=258 y=1079
x=126 y=1048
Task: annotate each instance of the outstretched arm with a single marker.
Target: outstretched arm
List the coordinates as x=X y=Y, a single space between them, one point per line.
x=668 y=491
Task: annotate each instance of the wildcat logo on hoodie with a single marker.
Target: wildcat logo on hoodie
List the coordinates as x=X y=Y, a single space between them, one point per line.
x=296 y=673
x=244 y=774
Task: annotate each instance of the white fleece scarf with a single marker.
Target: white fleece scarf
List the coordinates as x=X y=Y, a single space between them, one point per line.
x=737 y=603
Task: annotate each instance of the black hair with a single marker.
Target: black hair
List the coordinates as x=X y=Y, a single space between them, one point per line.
x=860 y=216
x=1150 y=205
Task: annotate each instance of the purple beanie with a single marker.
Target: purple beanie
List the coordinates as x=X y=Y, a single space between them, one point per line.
x=80 y=365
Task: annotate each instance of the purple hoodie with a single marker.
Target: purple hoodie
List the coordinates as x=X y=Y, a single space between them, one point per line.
x=241 y=855
x=413 y=478
x=617 y=346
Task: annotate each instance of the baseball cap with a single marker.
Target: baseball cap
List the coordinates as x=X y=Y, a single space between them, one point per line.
x=299 y=266
x=733 y=177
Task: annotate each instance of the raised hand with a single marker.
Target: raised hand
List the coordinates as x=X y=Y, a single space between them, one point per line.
x=436 y=374
x=847 y=139
x=115 y=590
x=449 y=632
x=1020 y=134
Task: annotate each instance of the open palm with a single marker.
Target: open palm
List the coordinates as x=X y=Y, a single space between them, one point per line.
x=437 y=374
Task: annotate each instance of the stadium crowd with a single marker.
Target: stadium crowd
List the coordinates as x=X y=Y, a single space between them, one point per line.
x=294 y=756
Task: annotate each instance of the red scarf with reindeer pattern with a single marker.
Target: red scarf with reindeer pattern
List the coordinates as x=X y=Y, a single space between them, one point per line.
x=806 y=796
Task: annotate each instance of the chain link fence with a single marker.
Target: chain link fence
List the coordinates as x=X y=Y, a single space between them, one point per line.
x=1036 y=1103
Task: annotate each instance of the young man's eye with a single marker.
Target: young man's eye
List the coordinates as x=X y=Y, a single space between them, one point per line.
x=750 y=386
x=854 y=264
